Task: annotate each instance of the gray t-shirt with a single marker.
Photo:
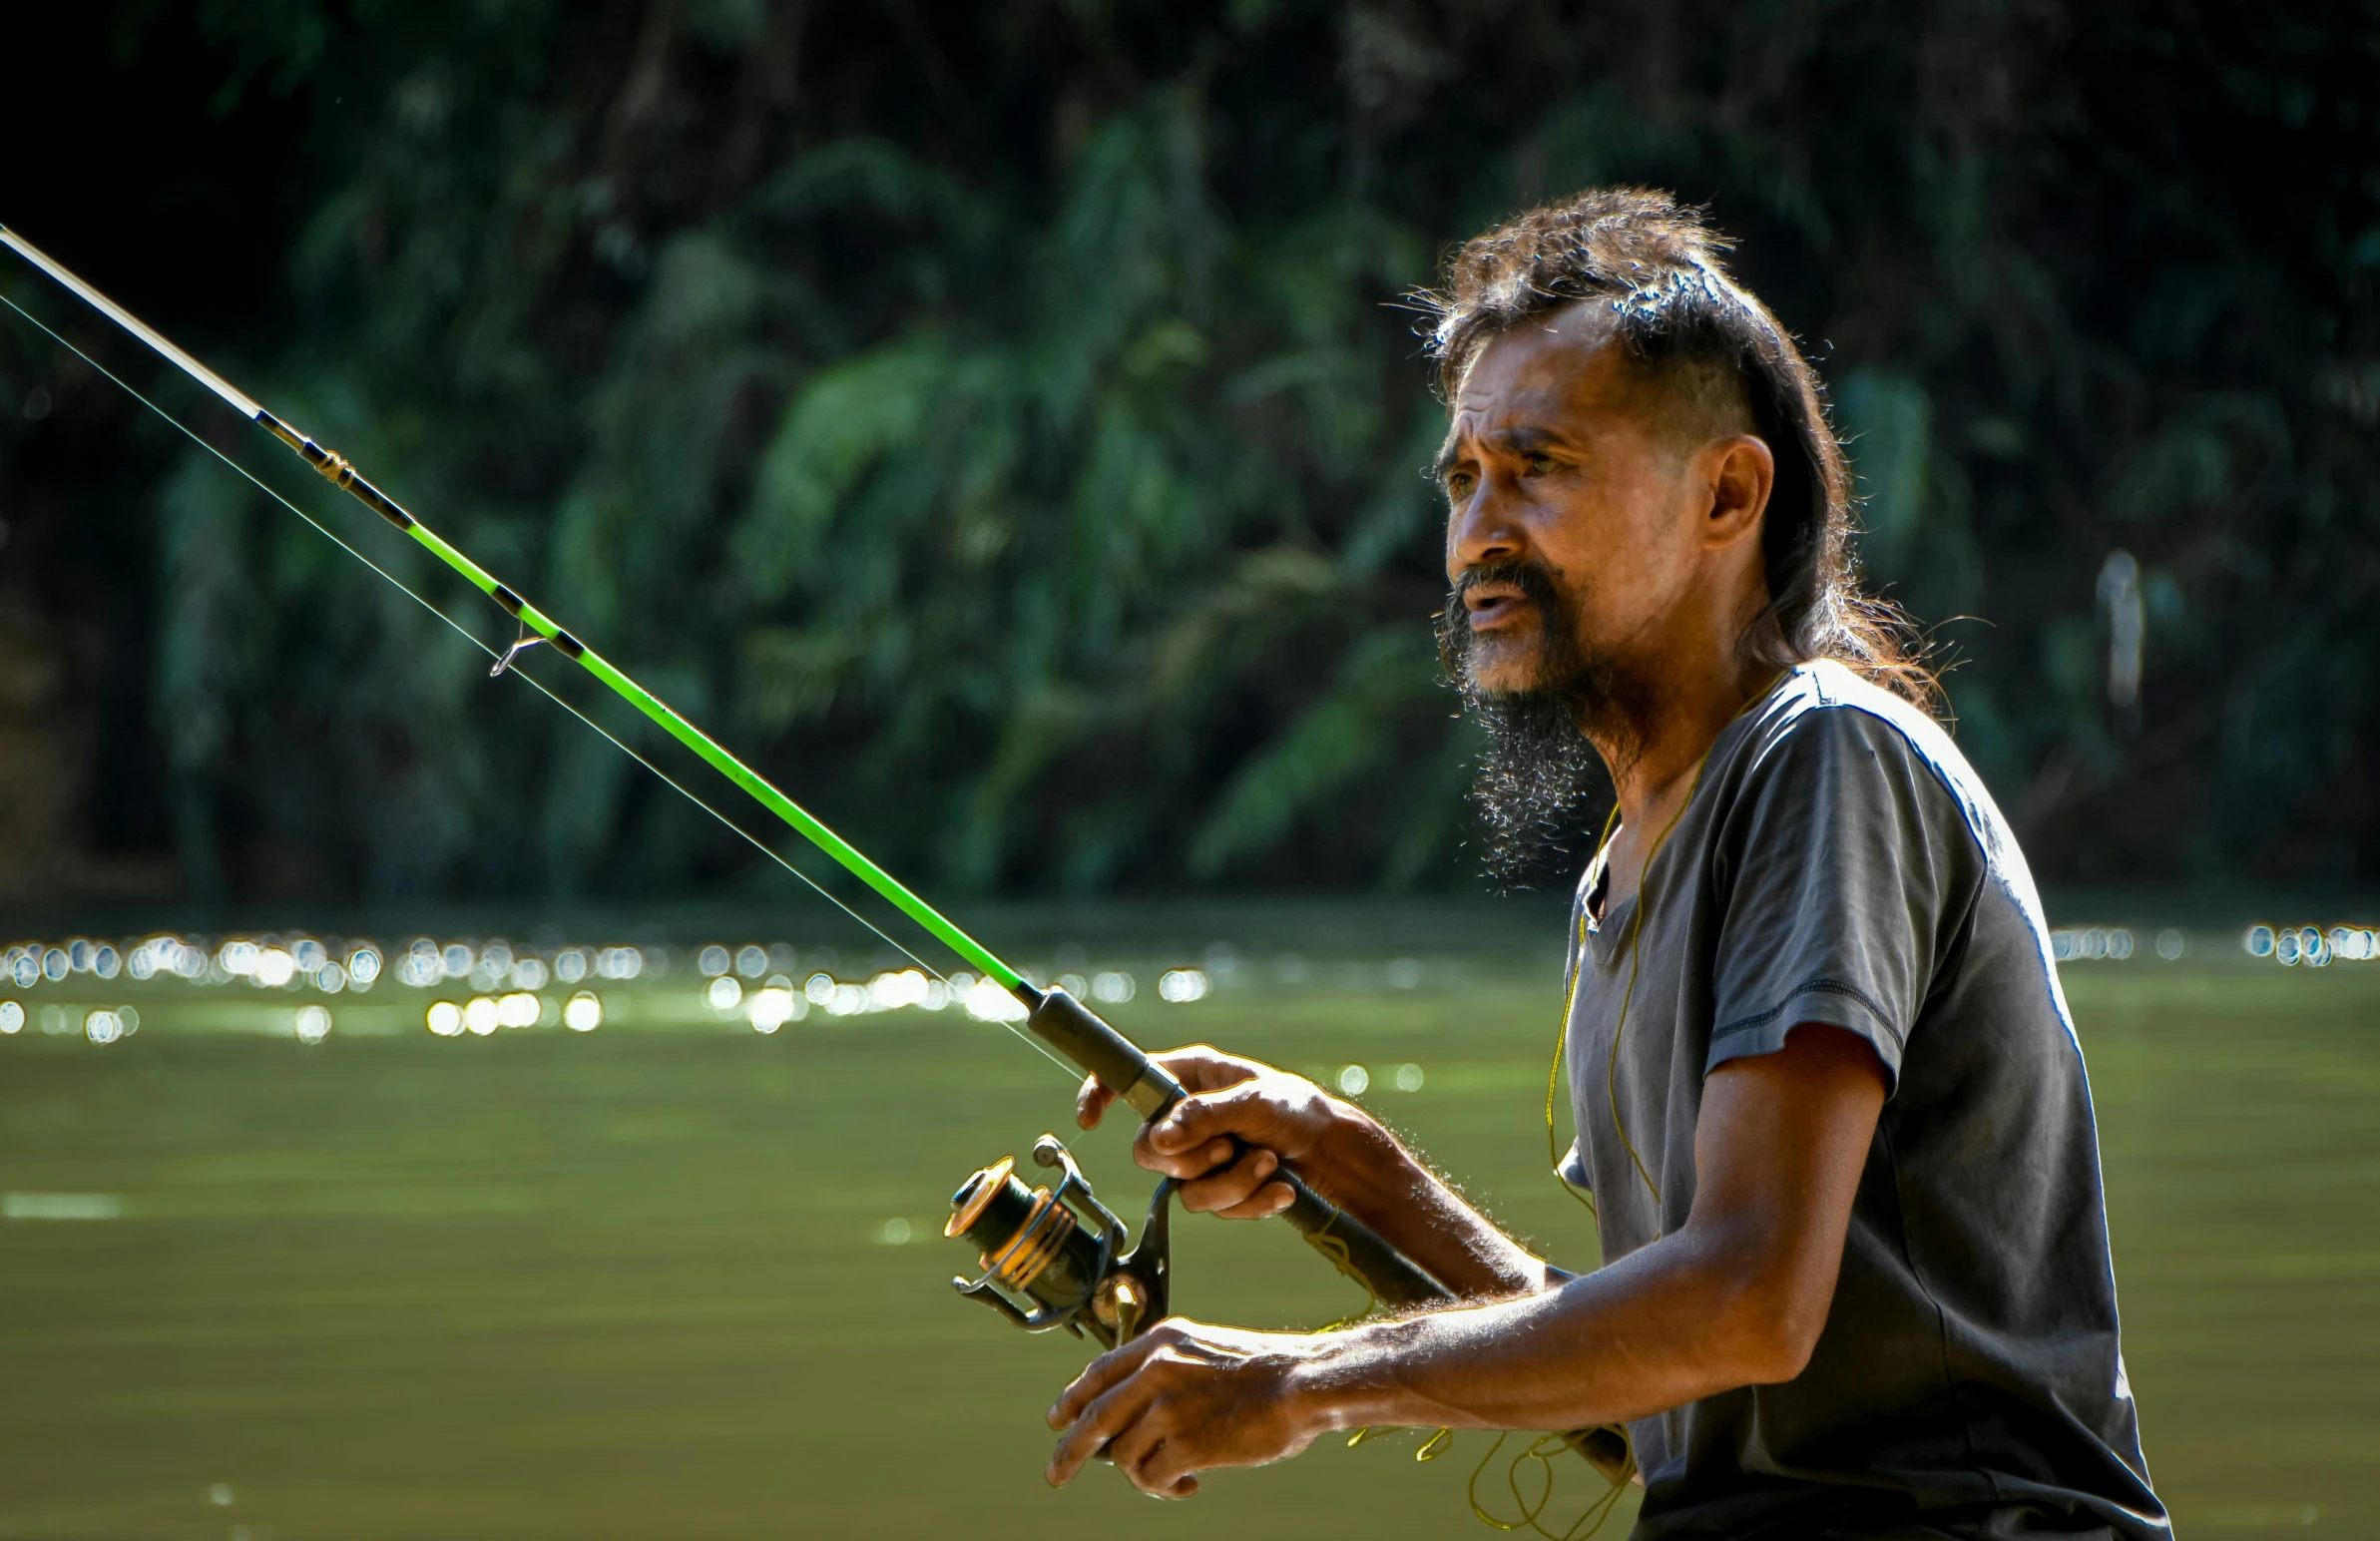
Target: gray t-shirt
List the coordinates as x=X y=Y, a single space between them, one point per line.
x=1840 y=863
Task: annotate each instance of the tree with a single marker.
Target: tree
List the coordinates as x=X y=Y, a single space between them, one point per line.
x=1002 y=417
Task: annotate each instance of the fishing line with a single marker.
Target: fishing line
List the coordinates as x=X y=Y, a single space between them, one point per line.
x=341 y=472
x=1053 y=1016
x=506 y=660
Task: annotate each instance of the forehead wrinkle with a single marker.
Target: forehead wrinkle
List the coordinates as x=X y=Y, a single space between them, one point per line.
x=1570 y=372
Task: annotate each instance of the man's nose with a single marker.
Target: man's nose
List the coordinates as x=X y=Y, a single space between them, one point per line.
x=1481 y=529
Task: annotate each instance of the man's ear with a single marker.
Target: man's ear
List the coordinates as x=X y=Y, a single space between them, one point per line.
x=1740 y=473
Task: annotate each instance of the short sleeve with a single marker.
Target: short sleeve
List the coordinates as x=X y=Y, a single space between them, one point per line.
x=1841 y=863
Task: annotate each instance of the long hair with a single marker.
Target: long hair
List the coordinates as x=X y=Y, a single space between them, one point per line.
x=1690 y=326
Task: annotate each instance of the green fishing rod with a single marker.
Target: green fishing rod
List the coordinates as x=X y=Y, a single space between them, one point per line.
x=1056 y=1250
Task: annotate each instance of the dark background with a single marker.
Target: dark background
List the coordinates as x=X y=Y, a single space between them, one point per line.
x=1000 y=419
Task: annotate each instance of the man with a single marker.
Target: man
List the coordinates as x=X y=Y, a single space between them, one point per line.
x=1830 y=1106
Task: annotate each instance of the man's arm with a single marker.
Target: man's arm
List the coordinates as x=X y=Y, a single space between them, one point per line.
x=1342 y=1152
x=1736 y=1297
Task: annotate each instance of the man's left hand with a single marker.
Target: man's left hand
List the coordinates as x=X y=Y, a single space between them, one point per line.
x=1182 y=1399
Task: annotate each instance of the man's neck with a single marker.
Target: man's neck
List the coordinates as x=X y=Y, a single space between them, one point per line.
x=1664 y=761
x=1654 y=773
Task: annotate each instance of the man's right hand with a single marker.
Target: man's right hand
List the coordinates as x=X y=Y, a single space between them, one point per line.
x=1275 y=1117
x=1340 y=1151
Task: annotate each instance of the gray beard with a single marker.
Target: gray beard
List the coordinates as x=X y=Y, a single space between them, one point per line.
x=1541 y=777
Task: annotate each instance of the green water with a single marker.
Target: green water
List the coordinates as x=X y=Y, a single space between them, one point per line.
x=635 y=1283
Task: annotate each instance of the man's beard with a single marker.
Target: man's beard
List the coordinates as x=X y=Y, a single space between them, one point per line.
x=1541 y=772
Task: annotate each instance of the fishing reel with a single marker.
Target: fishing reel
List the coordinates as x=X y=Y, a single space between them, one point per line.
x=1055 y=1256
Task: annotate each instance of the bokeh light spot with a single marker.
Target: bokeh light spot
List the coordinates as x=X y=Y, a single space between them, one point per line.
x=773 y=1006
x=987 y=1002
x=364 y=966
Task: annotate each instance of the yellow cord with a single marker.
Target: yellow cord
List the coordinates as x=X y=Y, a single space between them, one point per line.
x=1570 y=1003
x=1542 y=1448
x=1627 y=996
x=1531 y=1511
x=1600 y=1510
x=1336 y=1248
x=1635 y=935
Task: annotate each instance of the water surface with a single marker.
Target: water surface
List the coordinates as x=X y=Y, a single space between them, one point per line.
x=640 y=1280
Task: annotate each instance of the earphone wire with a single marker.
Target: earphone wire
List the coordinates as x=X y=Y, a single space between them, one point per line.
x=1635 y=937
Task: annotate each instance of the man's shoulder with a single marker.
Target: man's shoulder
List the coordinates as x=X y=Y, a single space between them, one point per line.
x=1823 y=698
x=1822 y=711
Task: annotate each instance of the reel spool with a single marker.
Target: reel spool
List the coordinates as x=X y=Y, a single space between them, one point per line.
x=1054 y=1256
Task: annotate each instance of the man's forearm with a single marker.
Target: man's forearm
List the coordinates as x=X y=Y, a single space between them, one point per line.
x=1366 y=1171
x=1665 y=1326
x=1736 y=1297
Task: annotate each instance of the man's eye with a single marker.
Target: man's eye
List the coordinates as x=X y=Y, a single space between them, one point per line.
x=1459 y=484
x=1536 y=465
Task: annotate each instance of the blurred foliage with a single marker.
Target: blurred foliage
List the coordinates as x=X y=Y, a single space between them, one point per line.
x=1000 y=418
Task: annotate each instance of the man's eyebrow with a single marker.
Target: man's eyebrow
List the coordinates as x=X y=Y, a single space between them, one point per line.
x=1522 y=441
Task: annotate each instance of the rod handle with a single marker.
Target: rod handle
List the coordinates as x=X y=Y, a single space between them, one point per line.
x=1356 y=1250
x=1353 y=1247
x=1077 y=1032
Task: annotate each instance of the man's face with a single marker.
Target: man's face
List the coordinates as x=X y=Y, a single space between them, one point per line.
x=1552 y=464
x=1579 y=546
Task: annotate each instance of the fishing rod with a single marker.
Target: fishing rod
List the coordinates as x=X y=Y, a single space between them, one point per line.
x=1051 y=1256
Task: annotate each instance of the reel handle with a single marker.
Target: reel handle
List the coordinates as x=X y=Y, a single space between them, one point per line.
x=1352 y=1247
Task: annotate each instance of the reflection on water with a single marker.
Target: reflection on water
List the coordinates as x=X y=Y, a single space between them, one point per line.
x=464 y=1234
x=509 y=984
x=471 y=986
